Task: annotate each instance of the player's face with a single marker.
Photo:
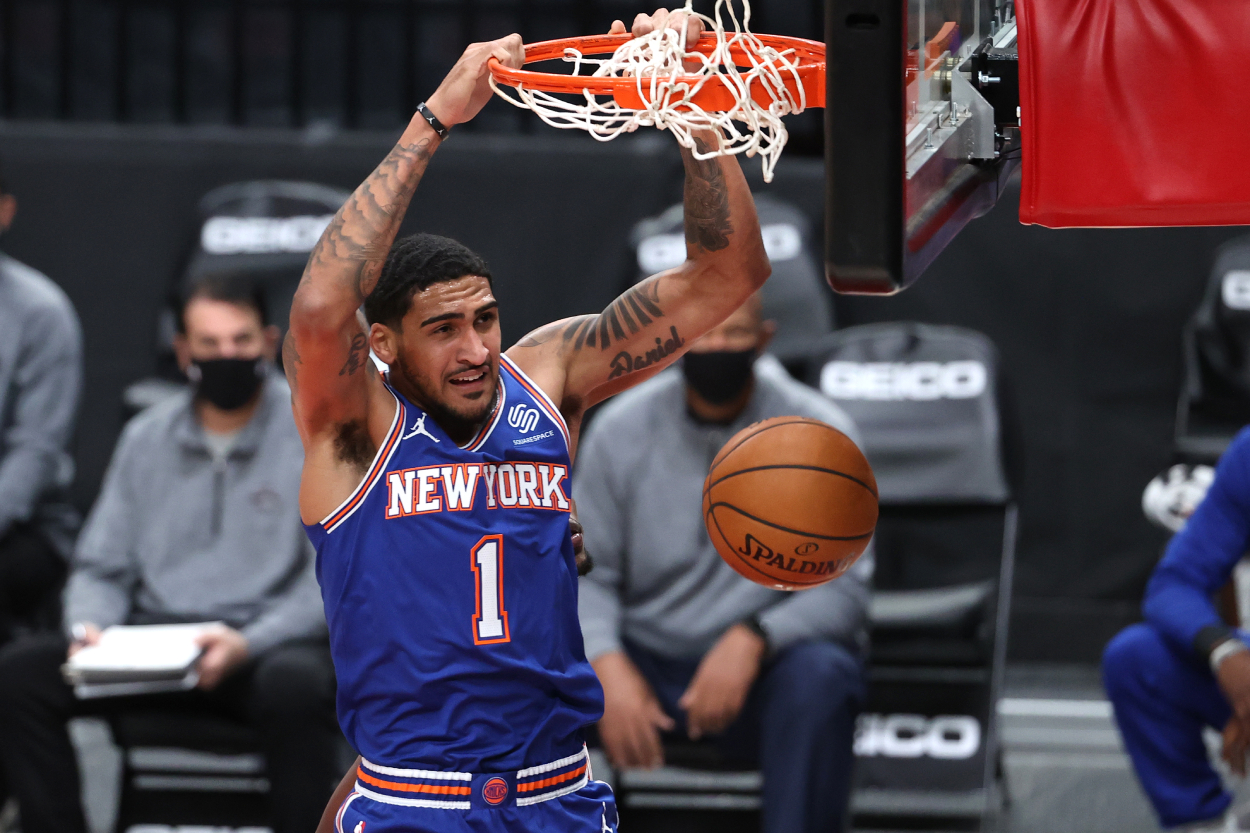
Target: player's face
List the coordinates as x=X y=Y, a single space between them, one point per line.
x=448 y=351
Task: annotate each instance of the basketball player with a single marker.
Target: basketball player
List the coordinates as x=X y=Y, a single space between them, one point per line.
x=437 y=494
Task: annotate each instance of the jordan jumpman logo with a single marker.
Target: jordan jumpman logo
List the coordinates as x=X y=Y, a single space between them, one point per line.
x=419 y=428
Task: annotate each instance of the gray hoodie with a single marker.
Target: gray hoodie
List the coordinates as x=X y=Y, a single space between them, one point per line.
x=176 y=536
x=658 y=580
x=40 y=381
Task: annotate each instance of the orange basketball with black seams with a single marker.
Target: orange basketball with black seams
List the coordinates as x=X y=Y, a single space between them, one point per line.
x=790 y=502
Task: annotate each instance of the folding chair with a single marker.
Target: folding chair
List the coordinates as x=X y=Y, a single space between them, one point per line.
x=1215 y=394
x=926 y=400
x=189 y=769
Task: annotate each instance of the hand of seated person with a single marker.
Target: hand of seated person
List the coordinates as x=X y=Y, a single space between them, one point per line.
x=84 y=634
x=224 y=650
x=1234 y=680
x=1236 y=744
x=632 y=717
x=724 y=678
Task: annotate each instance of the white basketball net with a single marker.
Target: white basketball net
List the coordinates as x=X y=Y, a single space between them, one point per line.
x=655 y=61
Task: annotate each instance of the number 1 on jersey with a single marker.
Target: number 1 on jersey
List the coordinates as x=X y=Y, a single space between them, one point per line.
x=490 y=622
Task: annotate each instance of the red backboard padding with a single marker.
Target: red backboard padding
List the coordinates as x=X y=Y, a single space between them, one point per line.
x=1135 y=112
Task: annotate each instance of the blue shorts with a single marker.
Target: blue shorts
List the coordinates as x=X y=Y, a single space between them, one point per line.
x=591 y=809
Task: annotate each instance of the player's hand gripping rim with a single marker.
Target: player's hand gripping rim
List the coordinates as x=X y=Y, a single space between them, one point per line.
x=466 y=89
x=645 y=24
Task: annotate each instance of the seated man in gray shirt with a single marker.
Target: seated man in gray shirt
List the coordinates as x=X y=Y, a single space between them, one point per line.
x=680 y=641
x=197 y=520
x=40 y=377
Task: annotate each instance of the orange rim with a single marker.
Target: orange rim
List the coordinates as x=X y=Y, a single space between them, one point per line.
x=713 y=97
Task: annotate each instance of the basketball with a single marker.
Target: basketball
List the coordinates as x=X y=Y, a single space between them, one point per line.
x=790 y=502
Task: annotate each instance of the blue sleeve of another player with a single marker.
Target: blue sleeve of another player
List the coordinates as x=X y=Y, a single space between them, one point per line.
x=1200 y=558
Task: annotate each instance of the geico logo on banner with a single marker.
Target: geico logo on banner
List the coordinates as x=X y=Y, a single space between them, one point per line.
x=949 y=737
x=262 y=235
x=658 y=252
x=892 y=380
x=1236 y=289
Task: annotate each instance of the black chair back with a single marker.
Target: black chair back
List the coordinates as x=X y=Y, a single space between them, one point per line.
x=1215 y=392
x=927 y=401
x=264 y=230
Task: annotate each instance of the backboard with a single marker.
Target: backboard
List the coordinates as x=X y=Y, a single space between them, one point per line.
x=922 y=118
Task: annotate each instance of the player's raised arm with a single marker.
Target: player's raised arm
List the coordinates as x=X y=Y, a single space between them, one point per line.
x=647 y=328
x=327 y=346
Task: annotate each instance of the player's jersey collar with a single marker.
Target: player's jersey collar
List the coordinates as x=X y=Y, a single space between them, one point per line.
x=421 y=423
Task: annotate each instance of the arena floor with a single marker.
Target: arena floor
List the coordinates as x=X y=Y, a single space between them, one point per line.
x=1066 y=770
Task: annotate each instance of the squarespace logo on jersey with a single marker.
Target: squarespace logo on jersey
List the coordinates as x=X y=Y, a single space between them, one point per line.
x=525 y=419
x=918 y=381
x=948 y=737
x=455 y=488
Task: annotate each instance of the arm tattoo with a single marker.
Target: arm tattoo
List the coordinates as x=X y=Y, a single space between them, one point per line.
x=708 y=227
x=355 y=355
x=290 y=359
x=356 y=242
x=634 y=309
x=706 y=202
x=626 y=362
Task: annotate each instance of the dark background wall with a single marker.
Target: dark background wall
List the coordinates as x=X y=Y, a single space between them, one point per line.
x=1089 y=322
x=109 y=213
x=362 y=64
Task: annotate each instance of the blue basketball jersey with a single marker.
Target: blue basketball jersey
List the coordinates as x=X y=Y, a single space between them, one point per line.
x=450 y=590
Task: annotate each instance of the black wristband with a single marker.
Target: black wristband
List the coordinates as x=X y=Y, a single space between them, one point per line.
x=433 y=120
x=1210 y=636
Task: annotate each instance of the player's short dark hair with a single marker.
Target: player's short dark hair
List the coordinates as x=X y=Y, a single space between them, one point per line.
x=4 y=183
x=230 y=287
x=414 y=264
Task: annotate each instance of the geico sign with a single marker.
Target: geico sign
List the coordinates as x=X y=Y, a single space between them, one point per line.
x=262 y=235
x=1235 y=289
x=894 y=380
x=950 y=737
x=658 y=252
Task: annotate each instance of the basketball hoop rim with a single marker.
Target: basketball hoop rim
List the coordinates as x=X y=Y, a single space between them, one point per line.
x=810 y=54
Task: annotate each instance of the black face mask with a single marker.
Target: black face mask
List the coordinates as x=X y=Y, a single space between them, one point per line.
x=718 y=377
x=227 y=383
